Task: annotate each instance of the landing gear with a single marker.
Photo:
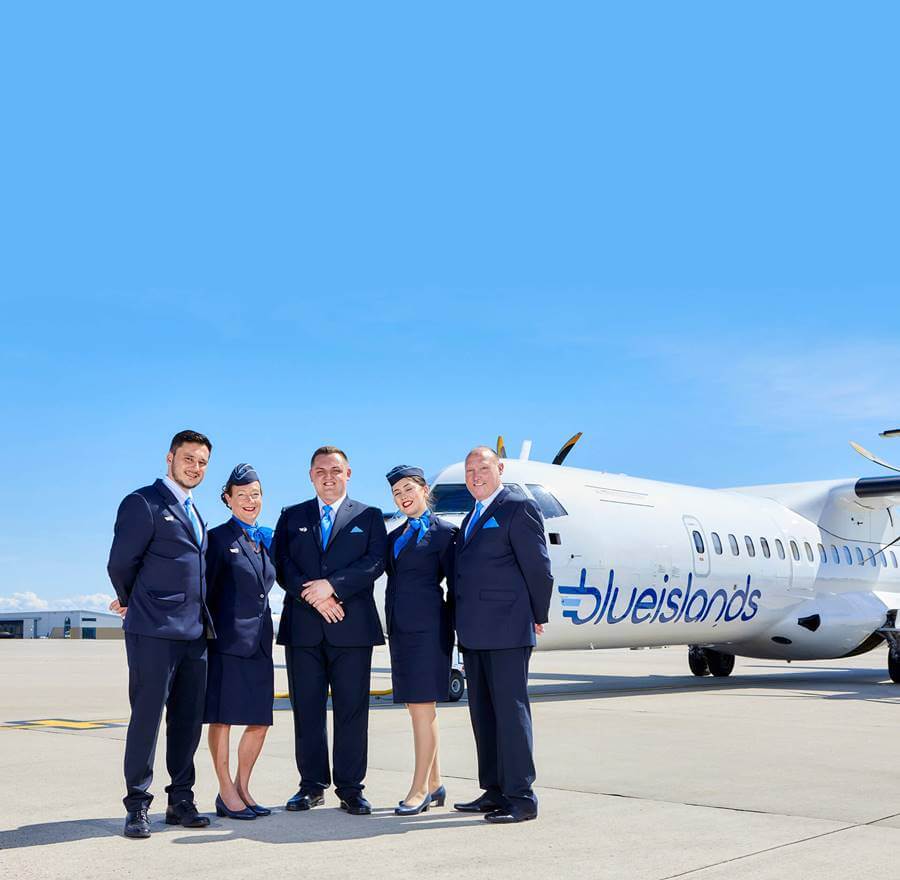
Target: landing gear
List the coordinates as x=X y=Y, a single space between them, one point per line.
x=706 y=661
x=697 y=660
x=457 y=685
x=894 y=665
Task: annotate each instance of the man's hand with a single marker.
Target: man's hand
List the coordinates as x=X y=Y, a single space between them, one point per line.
x=539 y=629
x=316 y=591
x=117 y=608
x=330 y=609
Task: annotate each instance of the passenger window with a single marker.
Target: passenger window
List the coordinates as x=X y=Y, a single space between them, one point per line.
x=765 y=547
x=795 y=550
x=809 y=553
x=548 y=504
x=882 y=559
x=835 y=556
x=748 y=542
x=717 y=544
x=893 y=559
x=847 y=555
x=822 y=554
x=780 y=548
x=872 y=561
x=859 y=556
x=734 y=545
x=698 y=542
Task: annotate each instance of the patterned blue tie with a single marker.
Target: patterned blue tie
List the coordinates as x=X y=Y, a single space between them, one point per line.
x=479 y=507
x=327 y=523
x=417 y=527
x=195 y=523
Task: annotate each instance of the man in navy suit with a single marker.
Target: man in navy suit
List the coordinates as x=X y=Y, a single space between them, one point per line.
x=156 y=565
x=328 y=553
x=502 y=590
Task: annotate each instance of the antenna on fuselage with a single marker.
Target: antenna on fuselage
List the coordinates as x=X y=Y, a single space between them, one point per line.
x=566 y=448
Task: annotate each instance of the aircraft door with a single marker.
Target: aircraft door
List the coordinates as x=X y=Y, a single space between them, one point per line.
x=699 y=545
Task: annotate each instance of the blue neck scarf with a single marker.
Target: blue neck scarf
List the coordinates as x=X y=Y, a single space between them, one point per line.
x=416 y=527
x=259 y=534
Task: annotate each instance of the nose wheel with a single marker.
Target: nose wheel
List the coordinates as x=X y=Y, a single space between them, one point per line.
x=706 y=661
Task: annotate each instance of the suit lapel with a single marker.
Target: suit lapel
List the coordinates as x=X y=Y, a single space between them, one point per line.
x=341 y=518
x=486 y=514
x=179 y=511
x=247 y=546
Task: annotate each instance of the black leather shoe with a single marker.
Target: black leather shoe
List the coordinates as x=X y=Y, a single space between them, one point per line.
x=506 y=817
x=305 y=800
x=356 y=805
x=185 y=814
x=483 y=804
x=225 y=813
x=137 y=824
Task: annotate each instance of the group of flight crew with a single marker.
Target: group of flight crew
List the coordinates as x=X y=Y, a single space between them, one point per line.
x=198 y=631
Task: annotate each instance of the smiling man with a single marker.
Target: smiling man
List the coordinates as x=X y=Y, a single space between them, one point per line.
x=157 y=567
x=502 y=589
x=328 y=553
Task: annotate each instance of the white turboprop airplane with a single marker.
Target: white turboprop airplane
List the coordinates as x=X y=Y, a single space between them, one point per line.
x=796 y=571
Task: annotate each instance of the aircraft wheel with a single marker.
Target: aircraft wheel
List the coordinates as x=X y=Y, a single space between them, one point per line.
x=697 y=661
x=457 y=685
x=894 y=665
x=720 y=664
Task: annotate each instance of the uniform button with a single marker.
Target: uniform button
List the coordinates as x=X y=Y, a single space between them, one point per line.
x=262 y=595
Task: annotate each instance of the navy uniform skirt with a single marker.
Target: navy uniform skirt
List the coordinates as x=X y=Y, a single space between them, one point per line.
x=420 y=667
x=240 y=690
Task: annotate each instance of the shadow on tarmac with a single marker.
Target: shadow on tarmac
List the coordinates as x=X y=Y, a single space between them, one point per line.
x=324 y=824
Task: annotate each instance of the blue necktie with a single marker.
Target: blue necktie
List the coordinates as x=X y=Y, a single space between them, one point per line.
x=189 y=509
x=417 y=527
x=475 y=516
x=326 y=524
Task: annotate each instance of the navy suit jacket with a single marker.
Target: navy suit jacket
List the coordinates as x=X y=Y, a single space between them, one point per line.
x=238 y=580
x=352 y=561
x=157 y=568
x=414 y=600
x=502 y=579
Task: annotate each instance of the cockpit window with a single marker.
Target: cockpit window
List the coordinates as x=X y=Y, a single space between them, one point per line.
x=455 y=498
x=548 y=504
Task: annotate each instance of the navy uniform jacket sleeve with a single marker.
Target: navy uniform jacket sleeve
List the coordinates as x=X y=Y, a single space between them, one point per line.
x=213 y=568
x=133 y=533
x=363 y=573
x=287 y=572
x=529 y=545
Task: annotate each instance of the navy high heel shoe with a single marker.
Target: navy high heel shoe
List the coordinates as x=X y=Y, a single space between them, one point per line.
x=438 y=796
x=255 y=808
x=403 y=810
x=222 y=810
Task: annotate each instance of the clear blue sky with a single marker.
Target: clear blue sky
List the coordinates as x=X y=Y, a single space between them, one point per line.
x=405 y=229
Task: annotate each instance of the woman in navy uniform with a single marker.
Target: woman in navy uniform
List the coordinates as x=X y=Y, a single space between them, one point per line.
x=420 y=627
x=240 y=680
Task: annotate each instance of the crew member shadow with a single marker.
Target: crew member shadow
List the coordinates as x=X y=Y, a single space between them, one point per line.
x=320 y=824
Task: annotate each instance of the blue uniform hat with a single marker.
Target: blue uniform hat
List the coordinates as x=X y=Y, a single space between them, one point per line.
x=242 y=475
x=404 y=470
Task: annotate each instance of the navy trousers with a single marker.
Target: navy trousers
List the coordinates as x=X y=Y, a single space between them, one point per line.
x=165 y=674
x=497 y=684
x=347 y=671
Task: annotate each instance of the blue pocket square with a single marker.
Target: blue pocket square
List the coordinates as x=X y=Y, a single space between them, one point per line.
x=491 y=524
x=356 y=530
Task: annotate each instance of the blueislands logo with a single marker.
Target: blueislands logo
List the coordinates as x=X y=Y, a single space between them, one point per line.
x=666 y=605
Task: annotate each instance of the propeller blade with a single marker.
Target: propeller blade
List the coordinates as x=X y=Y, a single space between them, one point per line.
x=501 y=447
x=566 y=448
x=893 y=432
x=874 y=458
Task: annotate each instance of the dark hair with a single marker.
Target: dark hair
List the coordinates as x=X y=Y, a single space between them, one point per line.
x=420 y=481
x=328 y=450
x=226 y=490
x=183 y=437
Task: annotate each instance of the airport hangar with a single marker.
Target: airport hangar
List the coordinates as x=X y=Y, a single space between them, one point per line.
x=74 y=624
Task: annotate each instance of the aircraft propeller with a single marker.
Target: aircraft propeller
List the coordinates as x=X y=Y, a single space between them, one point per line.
x=566 y=448
x=501 y=447
x=894 y=432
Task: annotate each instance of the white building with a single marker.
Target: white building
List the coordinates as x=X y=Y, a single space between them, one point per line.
x=60 y=625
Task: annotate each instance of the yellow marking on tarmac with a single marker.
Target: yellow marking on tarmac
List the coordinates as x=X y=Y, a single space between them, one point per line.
x=63 y=724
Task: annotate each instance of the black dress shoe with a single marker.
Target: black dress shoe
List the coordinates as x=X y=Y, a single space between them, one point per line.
x=224 y=812
x=507 y=817
x=185 y=813
x=137 y=823
x=305 y=800
x=483 y=804
x=356 y=805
